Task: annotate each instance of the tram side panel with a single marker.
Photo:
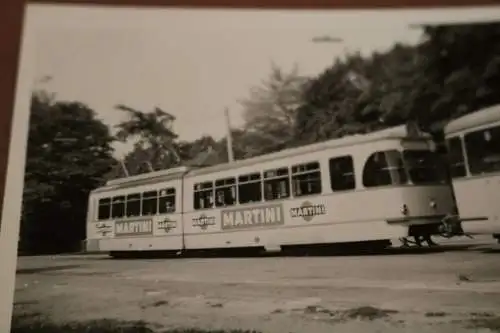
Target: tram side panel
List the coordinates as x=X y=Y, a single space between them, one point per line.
x=476 y=204
x=141 y=218
x=473 y=147
x=343 y=211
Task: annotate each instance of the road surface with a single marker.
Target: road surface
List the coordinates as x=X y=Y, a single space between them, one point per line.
x=447 y=291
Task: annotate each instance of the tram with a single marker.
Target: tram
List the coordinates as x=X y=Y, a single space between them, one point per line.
x=375 y=187
x=473 y=143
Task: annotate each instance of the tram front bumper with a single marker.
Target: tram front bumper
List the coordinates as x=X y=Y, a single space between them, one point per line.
x=443 y=225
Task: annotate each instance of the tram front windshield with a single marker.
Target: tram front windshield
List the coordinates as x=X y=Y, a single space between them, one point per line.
x=424 y=166
x=483 y=150
x=409 y=166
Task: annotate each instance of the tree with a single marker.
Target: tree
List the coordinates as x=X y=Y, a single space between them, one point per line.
x=463 y=62
x=69 y=152
x=155 y=138
x=454 y=70
x=270 y=112
x=346 y=98
x=189 y=151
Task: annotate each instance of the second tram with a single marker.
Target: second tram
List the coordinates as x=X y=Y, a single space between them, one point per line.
x=473 y=143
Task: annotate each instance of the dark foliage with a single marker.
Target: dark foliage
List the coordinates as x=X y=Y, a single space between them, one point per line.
x=68 y=155
x=454 y=70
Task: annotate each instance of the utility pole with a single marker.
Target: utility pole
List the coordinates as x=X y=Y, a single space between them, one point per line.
x=229 y=141
x=150 y=166
x=124 y=168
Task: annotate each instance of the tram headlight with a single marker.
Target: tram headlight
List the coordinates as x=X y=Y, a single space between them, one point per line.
x=433 y=204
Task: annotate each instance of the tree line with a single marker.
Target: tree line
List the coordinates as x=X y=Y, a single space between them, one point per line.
x=452 y=71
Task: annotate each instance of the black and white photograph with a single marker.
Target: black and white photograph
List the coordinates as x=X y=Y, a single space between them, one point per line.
x=210 y=170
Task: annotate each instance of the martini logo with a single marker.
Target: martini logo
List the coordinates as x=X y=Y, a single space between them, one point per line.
x=203 y=221
x=134 y=228
x=307 y=211
x=269 y=215
x=103 y=229
x=167 y=224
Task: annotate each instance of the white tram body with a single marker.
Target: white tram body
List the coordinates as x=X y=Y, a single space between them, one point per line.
x=473 y=143
x=379 y=186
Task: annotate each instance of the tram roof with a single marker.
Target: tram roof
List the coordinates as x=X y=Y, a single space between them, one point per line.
x=478 y=118
x=398 y=133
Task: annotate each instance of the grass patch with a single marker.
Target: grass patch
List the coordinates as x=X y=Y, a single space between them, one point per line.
x=21 y=325
x=368 y=313
x=436 y=314
x=42 y=325
x=493 y=324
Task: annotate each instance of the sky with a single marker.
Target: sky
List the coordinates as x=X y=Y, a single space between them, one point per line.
x=194 y=63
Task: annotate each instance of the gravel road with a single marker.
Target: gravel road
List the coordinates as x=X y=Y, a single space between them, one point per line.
x=443 y=291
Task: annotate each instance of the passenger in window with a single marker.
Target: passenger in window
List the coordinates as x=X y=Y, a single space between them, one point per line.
x=220 y=199
x=168 y=206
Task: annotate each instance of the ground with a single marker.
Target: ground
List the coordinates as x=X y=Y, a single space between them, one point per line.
x=457 y=290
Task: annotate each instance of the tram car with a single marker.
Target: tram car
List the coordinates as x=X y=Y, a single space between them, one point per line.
x=375 y=187
x=473 y=143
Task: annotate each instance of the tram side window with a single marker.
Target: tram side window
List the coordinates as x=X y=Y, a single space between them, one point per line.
x=483 y=150
x=384 y=168
x=166 y=201
x=133 y=205
x=203 y=195
x=225 y=192
x=149 y=203
x=306 y=179
x=342 y=176
x=104 y=210
x=249 y=188
x=276 y=184
x=456 y=160
x=118 y=207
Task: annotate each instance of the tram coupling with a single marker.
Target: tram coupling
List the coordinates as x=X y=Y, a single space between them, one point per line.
x=451 y=226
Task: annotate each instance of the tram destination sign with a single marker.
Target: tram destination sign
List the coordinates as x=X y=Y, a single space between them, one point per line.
x=134 y=228
x=268 y=215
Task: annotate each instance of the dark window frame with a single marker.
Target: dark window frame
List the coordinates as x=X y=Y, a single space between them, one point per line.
x=205 y=192
x=100 y=205
x=343 y=185
x=301 y=173
x=169 y=195
x=132 y=199
x=430 y=169
x=249 y=183
x=483 y=149
x=271 y=177
x=455 y=156
x=149 y=197
x=118 y=200
x=390 y=171
x=224 y=187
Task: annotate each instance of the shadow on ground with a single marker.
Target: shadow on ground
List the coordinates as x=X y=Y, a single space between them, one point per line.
x=40 y=325
x=45 y=269
x=317 y=251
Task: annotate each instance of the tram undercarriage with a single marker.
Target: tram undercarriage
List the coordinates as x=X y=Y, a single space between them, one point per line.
x=449 y=227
